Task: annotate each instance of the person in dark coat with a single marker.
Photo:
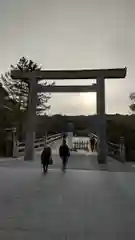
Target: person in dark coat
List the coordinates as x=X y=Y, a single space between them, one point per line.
x=96 y=145
x=45 y=158
x=92 y=143
x=64 y=154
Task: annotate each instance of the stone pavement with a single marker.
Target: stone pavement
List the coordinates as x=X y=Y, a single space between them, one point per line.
x=80 y=204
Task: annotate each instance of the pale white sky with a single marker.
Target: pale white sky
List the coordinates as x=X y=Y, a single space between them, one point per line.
x=73 y=34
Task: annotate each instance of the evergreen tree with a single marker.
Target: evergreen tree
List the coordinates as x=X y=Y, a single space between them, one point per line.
x=18 y=89
x=132 y=98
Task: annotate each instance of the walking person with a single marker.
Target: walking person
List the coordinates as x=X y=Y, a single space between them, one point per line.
x=96 y=145
x=64 y=154
x=46 y=158
x=92 y=143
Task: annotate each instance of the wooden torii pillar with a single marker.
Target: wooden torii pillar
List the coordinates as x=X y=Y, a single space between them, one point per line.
x=99 y=88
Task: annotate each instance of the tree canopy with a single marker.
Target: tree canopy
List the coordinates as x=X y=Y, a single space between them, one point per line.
x=18 y=89
x=132 y=105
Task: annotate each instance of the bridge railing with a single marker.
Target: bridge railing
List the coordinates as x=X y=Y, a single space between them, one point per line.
x=81 y=145
x=116 y=151
x=39 y=143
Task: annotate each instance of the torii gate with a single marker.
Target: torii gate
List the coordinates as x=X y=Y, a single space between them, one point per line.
x=99 y=88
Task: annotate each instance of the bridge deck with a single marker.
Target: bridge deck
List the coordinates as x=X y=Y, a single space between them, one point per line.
x=79 y=160
x=77 y=205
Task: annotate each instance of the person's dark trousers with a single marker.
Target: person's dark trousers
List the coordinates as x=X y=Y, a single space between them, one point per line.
x=96 y=147
x=64 y=163
x=92 y=147
x=45 y=167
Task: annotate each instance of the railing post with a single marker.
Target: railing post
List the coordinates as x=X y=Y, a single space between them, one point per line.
x=17 y=146
x=122 y=149
x=14 y=143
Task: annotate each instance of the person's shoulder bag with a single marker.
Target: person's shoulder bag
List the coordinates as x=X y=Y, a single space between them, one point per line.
x=50 y=161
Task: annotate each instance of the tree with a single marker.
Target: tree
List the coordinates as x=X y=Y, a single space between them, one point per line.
x=18 y=89
x=132 y=98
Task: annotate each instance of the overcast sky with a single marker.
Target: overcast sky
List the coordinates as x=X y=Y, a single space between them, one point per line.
x=73 y=34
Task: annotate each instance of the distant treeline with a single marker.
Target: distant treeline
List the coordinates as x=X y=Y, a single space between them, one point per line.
x=117 y=126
